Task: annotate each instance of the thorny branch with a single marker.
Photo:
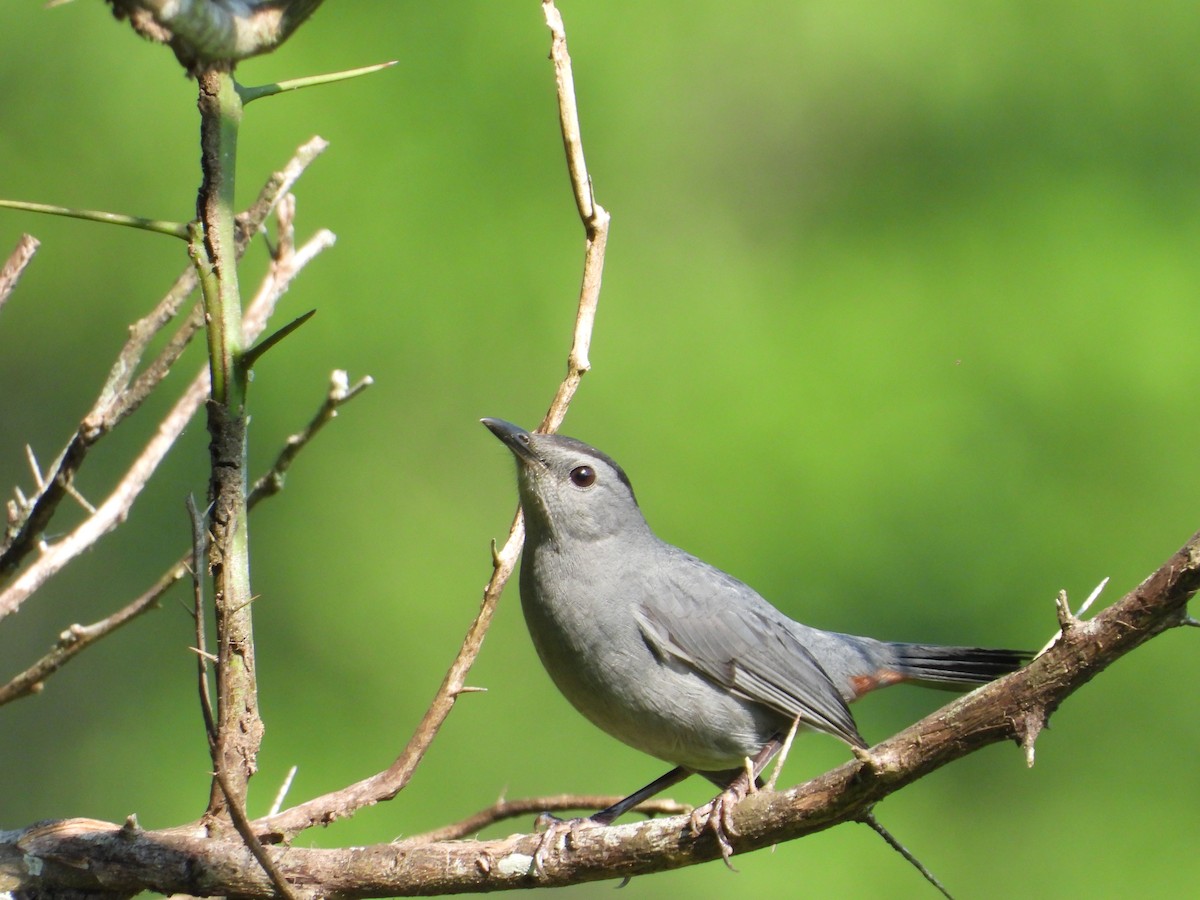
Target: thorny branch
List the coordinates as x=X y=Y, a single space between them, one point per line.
x=122 y=393
x=1012 y=708
x=116 y=507
x=78 y=637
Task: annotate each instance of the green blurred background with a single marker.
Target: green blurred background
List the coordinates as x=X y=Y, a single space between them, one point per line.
x=898 y=325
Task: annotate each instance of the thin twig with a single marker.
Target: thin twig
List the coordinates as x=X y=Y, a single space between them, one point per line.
x=198 y=568
x=386 y=784
x=121 y=395
x=115 y=508
x=340 y=392
x=78 y=637
x=10 y=272
x=594 y=217
x=868 y=819
x=513 y=809
x=237 y=812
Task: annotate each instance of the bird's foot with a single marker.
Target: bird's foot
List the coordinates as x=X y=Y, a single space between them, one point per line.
x=716 y=816
x=556 y=837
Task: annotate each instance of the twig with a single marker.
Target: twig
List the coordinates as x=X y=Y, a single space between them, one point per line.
x=171 y=229
x=121 y=395
x=386 y=784
x=10 y=272
x=235 y=805
x=595 y=221
x=198 y=568
x=512 y=809
x=116 y=507
x=78 y=637
x=340 y=392
x=868 y=819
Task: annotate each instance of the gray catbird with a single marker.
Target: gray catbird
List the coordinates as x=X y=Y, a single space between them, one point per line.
x=673 y=656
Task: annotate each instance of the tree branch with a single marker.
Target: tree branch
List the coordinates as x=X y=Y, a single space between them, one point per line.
x=181 y=860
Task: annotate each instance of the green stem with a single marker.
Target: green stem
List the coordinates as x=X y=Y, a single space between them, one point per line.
x=238 y=725
x=220 y=118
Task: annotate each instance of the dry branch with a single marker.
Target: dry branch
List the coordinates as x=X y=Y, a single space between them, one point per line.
x=387 y=784
x=1009 y=709
x=122 y=394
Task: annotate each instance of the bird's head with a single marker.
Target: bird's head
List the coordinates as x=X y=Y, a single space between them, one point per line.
x=568 y=489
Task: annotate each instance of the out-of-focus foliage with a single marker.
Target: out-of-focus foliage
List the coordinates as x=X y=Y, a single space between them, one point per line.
x=898 y=325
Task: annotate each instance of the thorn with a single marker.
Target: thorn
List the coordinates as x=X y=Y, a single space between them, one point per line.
x=37 y=470
x=204 y=654
x=1030 y=727
x=871 y=822
x=250 y=94
x=277 y=803
x=867 y=758
x=1068 y=620
x=251 y=356
x=751 y=775
x=783 y=753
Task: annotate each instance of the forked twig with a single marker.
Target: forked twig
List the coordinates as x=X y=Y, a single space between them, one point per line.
x=526 y=806
x=78 y=637
x=122 y=394
x=386 y=784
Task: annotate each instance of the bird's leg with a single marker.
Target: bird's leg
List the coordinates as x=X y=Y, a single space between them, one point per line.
x=657 y=786
x=559 y=830
x=717 y=815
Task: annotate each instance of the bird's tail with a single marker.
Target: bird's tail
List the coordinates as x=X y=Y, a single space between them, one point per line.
x=954 y=668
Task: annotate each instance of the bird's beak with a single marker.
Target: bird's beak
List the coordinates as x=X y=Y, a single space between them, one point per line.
x=516 y=439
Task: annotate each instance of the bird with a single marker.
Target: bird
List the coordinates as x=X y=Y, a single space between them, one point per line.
x=673 y=656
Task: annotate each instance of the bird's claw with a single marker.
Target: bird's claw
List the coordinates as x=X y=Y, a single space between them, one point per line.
x=556 y=837
x=716 y=816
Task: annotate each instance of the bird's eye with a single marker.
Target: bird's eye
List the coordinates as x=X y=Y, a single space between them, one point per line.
x=583 y=476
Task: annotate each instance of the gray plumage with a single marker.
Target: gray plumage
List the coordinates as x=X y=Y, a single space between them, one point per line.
x=669 y=654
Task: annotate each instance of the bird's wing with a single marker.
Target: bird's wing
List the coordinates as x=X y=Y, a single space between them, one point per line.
x=726 y=632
